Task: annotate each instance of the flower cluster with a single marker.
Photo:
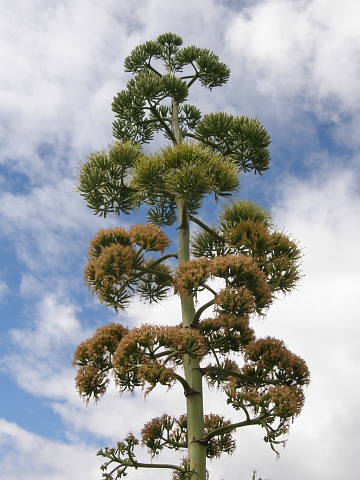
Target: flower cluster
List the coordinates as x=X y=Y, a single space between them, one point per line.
x=150 y=354
x=94 y=360
x=171 y=432
x=187 y=170
x=270 y=358
x=117 y=266
x=270 y=385
x=224 y=334
x=149 y=238
x=246 y=229
x=142 y=357
x=246 y=289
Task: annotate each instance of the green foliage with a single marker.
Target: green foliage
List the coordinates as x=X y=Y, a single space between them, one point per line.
x=120 y=180
x=237 y=212
x=140 y=58
x=141 y=112
x=163 y=212
x=104 y=180
x=189 y=171
x=242 y=138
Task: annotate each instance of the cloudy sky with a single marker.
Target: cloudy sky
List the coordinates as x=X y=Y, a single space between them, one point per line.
x=296 y=67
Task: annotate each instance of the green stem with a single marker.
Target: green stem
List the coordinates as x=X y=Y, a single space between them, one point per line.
x=207 y=229
x=175 y=122
x=199 y=312
x=193 y=375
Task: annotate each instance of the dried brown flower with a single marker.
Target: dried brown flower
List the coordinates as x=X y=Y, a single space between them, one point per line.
x=238 y=302
x=151 y=353
x=269 y=357
x=93 y=360
x=191 y=276
x=149 y=237
x=226 y=333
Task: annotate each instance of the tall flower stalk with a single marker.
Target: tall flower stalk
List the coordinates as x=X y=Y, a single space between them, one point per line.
x=214 y=342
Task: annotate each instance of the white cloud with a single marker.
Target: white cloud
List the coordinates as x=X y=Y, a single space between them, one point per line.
x=36 y=457
x=62 y=65
x=37 y=358
x=48 y=226
x=55 y=92
x=180 y=18
x=304 y=54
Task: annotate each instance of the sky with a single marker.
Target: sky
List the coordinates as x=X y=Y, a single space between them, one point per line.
x=295 y=65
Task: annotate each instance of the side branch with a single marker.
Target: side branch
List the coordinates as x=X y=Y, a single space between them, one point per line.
x=199 y=312
x=229 y=428
x=193 y=78
x=241 y=376
x=124 y=464
x=183 y=382
x=160 y=119
x=151 y=271
x=150 y=67
x=157 y=465
x=163 y=258
x=206 y=228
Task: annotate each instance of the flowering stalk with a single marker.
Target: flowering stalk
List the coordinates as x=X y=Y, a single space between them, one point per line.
x=193 y=375
x=253 y=261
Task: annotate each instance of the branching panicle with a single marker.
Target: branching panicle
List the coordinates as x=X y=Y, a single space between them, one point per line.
x=118 y=268
x=94 y=360
x=149 y=355
x=244 y=254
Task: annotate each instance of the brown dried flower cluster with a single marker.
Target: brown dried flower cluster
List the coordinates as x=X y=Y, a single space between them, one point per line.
x=165 y=431
x=225 y=333
x=275 y=379
x=224 y=442
x=117 y=266
x=236 y=302
x=150 y=354
x=149 y=237
x=93 y=359
x=104 y=238
x=144 y=356
x=171 y=432
x=269 y=357
x=241 y=274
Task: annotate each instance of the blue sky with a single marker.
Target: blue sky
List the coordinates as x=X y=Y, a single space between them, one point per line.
x=296 y=67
